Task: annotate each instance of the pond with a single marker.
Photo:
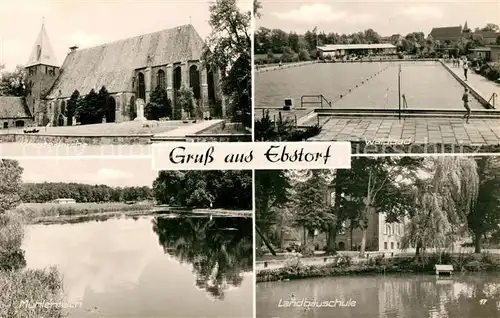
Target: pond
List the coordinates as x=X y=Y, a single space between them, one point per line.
x=395 y=296
x=150 y=267
x=426 y=85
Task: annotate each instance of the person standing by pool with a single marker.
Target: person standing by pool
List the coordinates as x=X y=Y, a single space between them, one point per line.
x=466 y=68
x=465 y=99
x=386 y=97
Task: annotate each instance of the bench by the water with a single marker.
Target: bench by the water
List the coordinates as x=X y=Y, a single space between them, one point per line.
x=443 y=269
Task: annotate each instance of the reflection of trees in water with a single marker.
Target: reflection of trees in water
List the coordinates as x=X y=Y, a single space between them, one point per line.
x=452 y=297
x=424 y=292
x=219 y=249
x=483 y=288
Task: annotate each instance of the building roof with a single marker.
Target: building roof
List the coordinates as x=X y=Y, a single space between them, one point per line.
x=335 y=47
x=487 y=34
x=447 y=32
x=42 y=52
x=13 y=107
x=113 y=64
x=482 y=49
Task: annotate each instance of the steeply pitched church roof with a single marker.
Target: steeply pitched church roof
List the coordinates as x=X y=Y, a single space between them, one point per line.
x=113 y=64
x=13 y=107
x=446 y=32
x=42 y=52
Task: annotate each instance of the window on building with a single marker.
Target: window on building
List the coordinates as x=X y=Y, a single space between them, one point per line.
x=46 y=70
x=160 y=80
x=385 y=245
x=52 y=71
x=142 y=86
x=398 y=245
x=392 y=245
x=342 y=228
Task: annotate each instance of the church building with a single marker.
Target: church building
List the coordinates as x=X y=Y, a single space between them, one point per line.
x=129 y=69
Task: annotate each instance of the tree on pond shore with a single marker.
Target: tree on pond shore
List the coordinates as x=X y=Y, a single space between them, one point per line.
x=11 y=224
x=225 y=189
x=312 y=211
x=271 y=195
x=373 y=185
x=484 y=218
x=10 y=184
x=49 y=191
x=441 y=204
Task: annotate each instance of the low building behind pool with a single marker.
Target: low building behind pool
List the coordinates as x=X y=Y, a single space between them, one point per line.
x=340 y=50
x=64 y=201
x=489 y=53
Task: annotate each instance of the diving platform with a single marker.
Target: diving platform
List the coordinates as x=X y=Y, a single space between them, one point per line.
x=443 y=269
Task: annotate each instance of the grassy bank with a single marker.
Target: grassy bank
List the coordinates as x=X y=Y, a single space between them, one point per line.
x=20 y=288
x=461 y=262
x=48 y=213
x=37 y=212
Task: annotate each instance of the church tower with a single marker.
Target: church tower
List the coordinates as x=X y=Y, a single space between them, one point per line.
x=41 y=73
x=466 y=28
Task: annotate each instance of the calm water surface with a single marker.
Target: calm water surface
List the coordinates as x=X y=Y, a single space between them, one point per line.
x=387 y=296
x=149 y=267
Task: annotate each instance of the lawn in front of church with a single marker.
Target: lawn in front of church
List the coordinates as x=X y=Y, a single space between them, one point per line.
x=107 y=129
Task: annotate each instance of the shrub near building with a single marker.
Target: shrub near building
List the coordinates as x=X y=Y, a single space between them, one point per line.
x=159 y=106
x=344 y=265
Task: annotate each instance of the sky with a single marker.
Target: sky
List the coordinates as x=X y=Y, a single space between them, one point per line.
x=88 y=23
x=386 y=18
x=117 y=172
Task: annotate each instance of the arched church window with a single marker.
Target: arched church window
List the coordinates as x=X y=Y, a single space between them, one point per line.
x=142 y=87
x=160 y=80
x=194 y=81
